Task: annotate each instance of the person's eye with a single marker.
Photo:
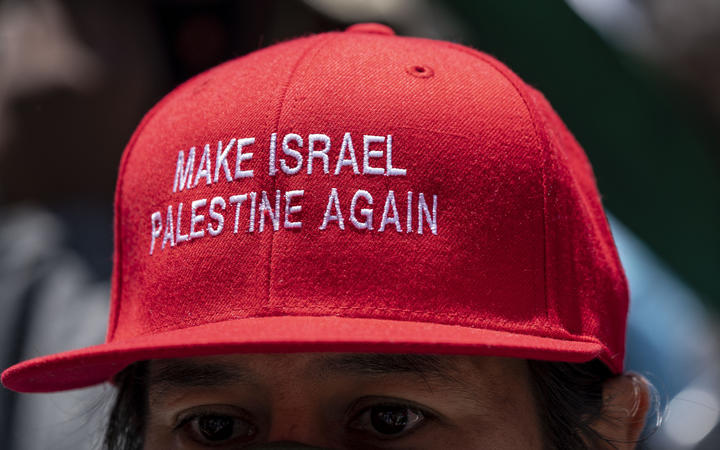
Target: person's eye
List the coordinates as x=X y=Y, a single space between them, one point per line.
x=214 y=429
x=389 y=420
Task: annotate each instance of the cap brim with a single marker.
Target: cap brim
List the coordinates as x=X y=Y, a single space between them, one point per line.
x=286 y=334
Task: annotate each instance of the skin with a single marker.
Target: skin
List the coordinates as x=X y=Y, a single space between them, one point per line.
x=329 y=399
x=627 y=400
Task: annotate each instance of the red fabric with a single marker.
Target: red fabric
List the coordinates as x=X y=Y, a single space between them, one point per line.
x=523 y=263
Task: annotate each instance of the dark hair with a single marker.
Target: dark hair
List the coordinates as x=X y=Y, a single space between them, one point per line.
x=569 y=397
x=126 y=424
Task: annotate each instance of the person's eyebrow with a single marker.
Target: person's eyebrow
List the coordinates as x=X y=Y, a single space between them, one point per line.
x=187 y=373
x=386 y=363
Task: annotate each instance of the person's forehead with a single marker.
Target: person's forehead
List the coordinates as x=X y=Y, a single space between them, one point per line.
x=257 y=368
x=476 y=386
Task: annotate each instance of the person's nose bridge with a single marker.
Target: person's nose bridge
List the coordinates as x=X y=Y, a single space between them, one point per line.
x=296 y=420
x=299 y=427
x=298 y=409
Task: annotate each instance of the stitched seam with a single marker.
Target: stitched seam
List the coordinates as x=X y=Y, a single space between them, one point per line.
x=546 y=148
x=419 y=314
x=283 y=97
x=540 y=135
x=115 y=308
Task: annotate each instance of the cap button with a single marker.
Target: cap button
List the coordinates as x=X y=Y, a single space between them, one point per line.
x=372 y=28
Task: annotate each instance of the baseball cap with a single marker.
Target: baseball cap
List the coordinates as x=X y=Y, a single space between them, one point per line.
x=354 y=191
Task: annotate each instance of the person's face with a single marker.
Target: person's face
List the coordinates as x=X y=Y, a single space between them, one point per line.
x=342 y=400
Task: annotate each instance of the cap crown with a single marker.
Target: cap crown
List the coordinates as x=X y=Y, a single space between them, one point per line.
x=467 y=201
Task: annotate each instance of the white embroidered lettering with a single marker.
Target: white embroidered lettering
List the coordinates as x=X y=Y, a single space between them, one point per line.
x=391 y=171
x=272 y=168
x=367 y=154
x=243 y=157
x=347 y=145
x=189 y=175
x=204 y=167
x=390 y=201
x=197 y=219
x=217 y=201
x=179 y=237
x=266 y=207
x=323 y=154
x=365 y=212
x=184 y=171
x=423 y=207
x=238 y=201
x=294 y=209
x=293 y=153
x=169 y=232
x=156 y=221
x=409 y=213
x=333 y=202
x=253 y=201
x=221 y=160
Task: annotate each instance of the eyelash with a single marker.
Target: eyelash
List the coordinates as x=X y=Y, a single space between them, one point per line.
x=186 y=428
x=183 y=420
x=355 y=414
x=352 y=415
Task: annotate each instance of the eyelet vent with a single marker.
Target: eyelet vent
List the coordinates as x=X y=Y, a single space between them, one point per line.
x=420 y=71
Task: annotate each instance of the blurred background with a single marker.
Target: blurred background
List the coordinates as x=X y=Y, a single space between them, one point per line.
x=637 y=81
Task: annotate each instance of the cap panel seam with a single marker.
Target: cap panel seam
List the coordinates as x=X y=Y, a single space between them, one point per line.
x=118 y=263
x=283 y=97
x=116 y=289
x=543 y=141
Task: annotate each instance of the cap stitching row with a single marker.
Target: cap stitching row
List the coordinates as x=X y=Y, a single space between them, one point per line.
x=283 y=97
x=543 y=141
x=416 y=314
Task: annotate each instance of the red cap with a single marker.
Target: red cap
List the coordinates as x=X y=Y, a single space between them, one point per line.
x=354 y=192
